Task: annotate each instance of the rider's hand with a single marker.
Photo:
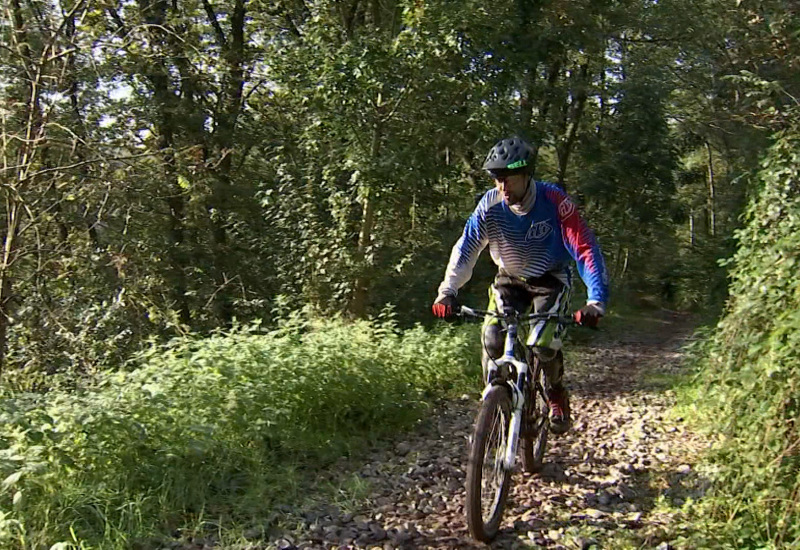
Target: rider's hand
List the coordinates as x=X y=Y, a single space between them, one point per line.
x=589 y=315
x=445 y=307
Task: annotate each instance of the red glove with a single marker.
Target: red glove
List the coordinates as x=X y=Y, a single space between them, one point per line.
x=589 y=315
x=445 y=307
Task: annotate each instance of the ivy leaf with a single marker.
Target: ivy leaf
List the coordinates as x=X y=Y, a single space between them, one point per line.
x=12 y=480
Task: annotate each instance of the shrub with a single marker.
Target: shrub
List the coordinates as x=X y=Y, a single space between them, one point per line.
x=751 y=367
x=212 y=426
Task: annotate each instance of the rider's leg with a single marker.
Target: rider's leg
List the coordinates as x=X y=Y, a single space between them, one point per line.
x=492 y=336
x=502 y=294
x=552 y=362
x=551 y=296
x=492 y=340
x=553 y=366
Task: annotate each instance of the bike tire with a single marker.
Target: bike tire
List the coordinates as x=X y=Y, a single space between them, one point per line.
x=534 y=445
x=489 y=441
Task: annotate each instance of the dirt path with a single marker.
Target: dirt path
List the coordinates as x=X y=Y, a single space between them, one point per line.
x=600 y=488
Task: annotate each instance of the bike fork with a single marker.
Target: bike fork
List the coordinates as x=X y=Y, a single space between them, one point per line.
x=514 y=426
x=513 y=439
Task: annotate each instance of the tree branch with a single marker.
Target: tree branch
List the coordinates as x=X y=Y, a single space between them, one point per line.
x=212 y=19
x=646 y=40
x=118 y=20
x=82 y=163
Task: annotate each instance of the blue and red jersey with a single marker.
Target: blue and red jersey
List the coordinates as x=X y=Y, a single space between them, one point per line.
x=545 y=239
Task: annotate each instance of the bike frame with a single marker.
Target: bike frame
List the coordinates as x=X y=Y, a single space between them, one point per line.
x=516 y=387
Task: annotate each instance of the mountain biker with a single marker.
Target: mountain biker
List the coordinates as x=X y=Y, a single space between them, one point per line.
x=533 y=231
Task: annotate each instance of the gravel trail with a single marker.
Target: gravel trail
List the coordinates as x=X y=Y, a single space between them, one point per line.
x=600 y=485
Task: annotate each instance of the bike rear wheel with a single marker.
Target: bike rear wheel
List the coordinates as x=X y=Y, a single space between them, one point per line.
x=488 y=480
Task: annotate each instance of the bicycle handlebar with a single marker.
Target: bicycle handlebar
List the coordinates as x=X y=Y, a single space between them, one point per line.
x=470 y=312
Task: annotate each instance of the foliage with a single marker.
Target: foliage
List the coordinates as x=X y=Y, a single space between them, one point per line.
x=750 y=365
x=746 y=394
x=169 y=167
x=175 y=165
x=213 y=426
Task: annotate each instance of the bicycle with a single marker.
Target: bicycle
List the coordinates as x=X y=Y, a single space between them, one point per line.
x=513 y=407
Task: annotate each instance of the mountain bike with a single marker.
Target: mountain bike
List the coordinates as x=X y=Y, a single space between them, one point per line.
x=514 y=410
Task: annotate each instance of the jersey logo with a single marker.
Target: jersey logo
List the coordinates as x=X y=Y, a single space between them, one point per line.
x=566 y=209
x=538 y=231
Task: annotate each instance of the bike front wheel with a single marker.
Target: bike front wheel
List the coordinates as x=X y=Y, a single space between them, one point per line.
x=488 y=480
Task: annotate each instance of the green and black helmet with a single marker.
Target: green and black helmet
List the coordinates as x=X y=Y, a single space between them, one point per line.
x=508 y=156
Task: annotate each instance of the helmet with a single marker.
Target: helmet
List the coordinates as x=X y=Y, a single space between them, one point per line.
x=508 y=155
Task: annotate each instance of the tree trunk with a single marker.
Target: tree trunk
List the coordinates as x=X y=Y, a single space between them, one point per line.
x=526 y=106
x=574 y=115
x=358 y=305
x=5 y=297
x=603 y=102
x=625 y=264
x=712 y=213
x=223 y=145
x=9 y=252
x=30 y=115
x=80 y=153
x=166 y=101
x=549 y=97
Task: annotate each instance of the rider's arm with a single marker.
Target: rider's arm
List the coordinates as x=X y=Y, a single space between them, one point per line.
x=580 y=242
x=465 y=253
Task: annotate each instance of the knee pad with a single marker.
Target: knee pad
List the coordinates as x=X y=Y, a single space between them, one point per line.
x=493 y=341
x=545 y=354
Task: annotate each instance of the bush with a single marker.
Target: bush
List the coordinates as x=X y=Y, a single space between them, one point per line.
x=212 y=426
x=751 y=367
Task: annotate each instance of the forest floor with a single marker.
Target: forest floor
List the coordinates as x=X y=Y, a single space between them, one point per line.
x=618 y=479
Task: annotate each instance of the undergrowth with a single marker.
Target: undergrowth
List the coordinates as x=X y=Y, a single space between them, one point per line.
x=222 y=427
x=746 y=397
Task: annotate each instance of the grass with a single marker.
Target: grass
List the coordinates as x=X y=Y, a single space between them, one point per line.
x=214 y=434
x=215 y=437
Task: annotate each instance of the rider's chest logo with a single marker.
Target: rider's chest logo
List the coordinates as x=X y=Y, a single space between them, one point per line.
x=538 y=231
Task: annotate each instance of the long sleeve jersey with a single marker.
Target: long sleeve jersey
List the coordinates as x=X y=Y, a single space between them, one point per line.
x=543 y=238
